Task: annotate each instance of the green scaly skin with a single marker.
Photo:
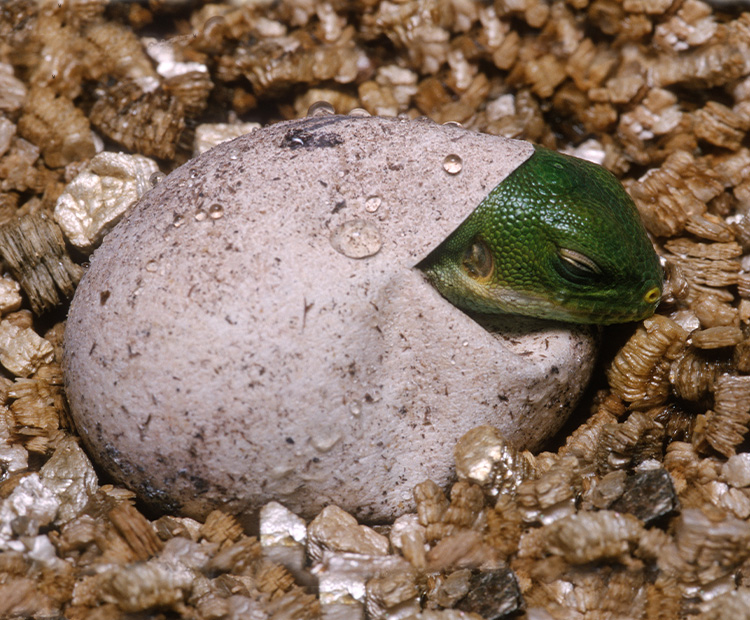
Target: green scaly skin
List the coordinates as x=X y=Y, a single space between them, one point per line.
x=559 y=238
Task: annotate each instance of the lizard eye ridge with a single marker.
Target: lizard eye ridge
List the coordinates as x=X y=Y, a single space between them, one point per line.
x=477 y=261
x=576 y=267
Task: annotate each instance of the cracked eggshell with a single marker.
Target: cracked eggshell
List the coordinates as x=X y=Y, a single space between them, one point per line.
x=256 y=330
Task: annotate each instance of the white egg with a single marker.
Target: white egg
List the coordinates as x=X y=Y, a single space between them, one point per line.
x=256 y=328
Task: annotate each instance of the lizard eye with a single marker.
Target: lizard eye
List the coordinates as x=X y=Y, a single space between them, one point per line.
x=576 y=267
x=477 y=260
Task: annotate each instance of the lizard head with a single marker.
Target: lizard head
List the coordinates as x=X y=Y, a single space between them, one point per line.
x=558 y=238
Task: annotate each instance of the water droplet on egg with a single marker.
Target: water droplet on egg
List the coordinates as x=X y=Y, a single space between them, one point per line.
x=156 y=178
x=320 y=108
x=216 y=211
x=373 y=203
x=200 y=214
x=355 y=408
x=177 y=220
x=324 y=438
x=453 y=123
x=453 y=164
x=356 y=239
x=279 y=472
x=151 y=266
x=361 y=112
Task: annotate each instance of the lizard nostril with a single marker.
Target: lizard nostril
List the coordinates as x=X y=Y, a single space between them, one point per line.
x=652 y=295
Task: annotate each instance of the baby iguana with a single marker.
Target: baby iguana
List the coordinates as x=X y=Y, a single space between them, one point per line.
x=559 y=238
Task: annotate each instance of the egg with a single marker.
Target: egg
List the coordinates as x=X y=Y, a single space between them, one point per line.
x=256 y=328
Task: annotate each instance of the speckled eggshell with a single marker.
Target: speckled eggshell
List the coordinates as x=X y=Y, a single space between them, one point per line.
x=221 y=352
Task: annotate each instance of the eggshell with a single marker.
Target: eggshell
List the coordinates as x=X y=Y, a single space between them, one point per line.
x=256 y=328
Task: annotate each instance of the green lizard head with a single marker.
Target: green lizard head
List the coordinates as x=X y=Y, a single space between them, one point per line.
x=558 y=238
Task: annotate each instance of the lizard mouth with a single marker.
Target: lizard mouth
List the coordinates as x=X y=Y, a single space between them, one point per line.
x=571 y=310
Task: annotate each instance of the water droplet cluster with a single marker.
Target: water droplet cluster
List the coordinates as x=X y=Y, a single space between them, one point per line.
x=356 y=238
